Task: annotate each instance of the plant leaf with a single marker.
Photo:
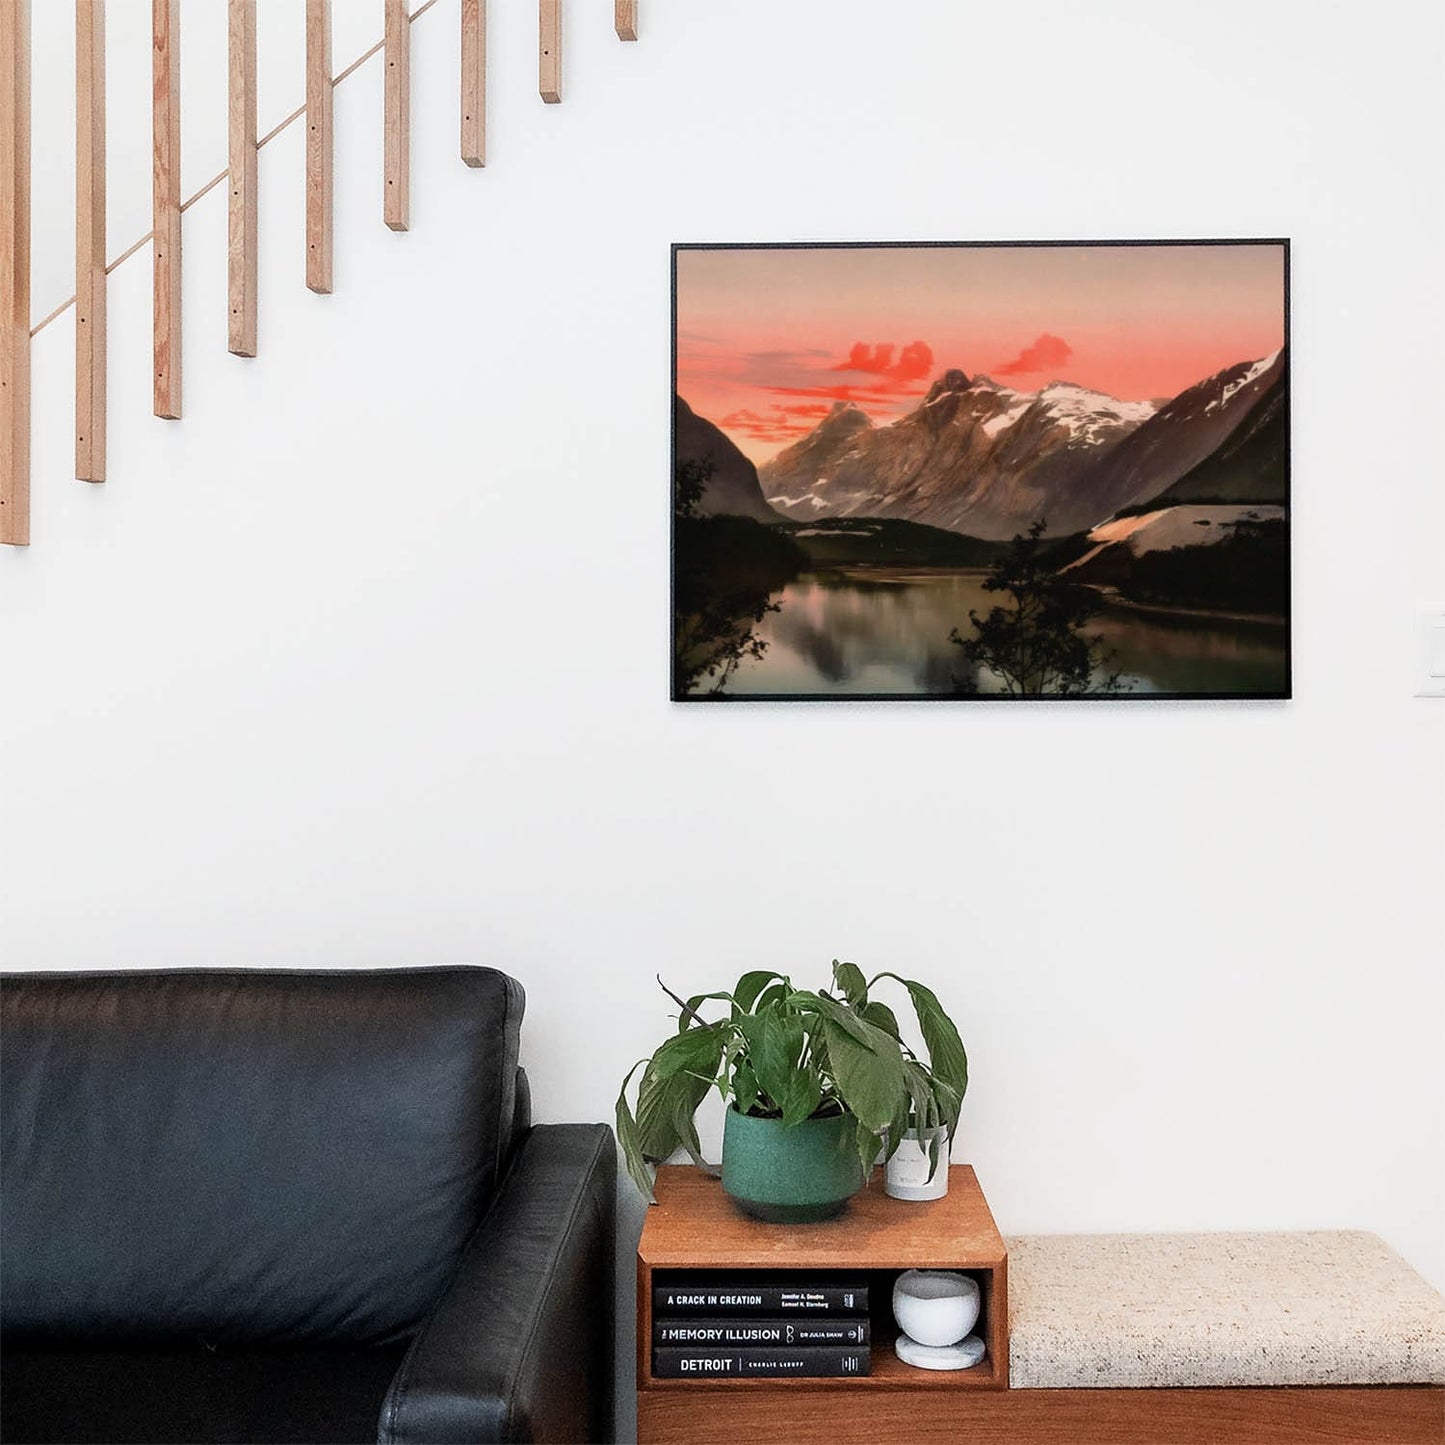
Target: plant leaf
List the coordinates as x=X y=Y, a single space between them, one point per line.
x=818 y=1057
x=775 y=1045
x=774 y=993
x=882 y=1017
x=920 y=1097
x=841 y=1016
x=949 y=1104
x=897 y=1126
x=867 y=1142
x=657 y=1137
x=683 y=1108
x=690 y=1018
x=869 y=1075
x=946 y=1054
x=935 y=1149
x=660 y=1104
x=696 y=1050
x=683 y=1068
x=803 y=1095
x=745 y=1087
x=630 y=1138
x=750 y=985
x=848 y=978
x=927 y=1093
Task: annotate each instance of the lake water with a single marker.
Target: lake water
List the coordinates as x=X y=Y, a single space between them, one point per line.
x=885 y=630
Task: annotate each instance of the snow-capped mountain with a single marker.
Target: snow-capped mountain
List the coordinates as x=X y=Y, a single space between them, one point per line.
x=831 y=438
x=1251 y=464
x=974 y=457
x=1184 y=433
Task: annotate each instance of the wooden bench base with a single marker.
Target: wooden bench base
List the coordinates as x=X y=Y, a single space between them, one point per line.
x=1287 y=1415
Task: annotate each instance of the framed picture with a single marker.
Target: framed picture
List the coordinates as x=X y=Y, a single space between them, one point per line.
x=1005 y=470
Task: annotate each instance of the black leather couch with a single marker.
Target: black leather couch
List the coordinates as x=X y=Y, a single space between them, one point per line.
x=293 y=1206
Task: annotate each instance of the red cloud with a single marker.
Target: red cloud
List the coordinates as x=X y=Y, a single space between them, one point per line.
x=914 y=361
x=863 y=357
x=844 y=392
x=1048 y=351
x=783 y=423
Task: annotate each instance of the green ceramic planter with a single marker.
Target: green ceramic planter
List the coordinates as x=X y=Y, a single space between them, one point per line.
x=791 y=1176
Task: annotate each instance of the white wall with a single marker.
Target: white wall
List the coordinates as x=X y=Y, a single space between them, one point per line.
x=363 y=662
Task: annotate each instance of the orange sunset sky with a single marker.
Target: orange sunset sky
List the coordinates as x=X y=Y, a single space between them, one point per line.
x=768 y=340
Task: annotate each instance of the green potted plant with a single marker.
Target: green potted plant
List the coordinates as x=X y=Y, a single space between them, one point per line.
x=816 y=1083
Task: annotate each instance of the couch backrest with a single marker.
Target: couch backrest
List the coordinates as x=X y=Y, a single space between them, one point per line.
x=252 y=1156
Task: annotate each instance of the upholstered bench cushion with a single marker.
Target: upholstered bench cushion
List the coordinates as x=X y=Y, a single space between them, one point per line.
x=1110 y=1310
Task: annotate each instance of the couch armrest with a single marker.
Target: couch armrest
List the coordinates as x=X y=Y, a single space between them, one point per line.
x=520 y=1346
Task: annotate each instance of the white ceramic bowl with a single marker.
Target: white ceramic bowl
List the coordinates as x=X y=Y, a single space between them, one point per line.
x=935 y=1306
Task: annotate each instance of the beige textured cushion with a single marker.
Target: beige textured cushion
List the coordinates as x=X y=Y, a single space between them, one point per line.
x=1108 y=1310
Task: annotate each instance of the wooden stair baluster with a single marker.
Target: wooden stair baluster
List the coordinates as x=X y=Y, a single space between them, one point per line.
x=166 y=204
x=242 y=219
x=396 y=106
x=90 y=285
x=474 y=82
x=318 y=146
x=549 y=48
x=15 y=272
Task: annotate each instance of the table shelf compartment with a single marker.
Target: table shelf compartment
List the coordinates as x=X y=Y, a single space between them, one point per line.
x=696 y=1232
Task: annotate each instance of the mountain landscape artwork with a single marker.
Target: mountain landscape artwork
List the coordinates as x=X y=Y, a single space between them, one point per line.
x=981 y=471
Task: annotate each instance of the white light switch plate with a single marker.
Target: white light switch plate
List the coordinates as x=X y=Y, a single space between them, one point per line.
x=1432 y=655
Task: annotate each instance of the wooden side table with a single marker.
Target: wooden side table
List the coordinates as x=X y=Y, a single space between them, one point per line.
x=695 y=1226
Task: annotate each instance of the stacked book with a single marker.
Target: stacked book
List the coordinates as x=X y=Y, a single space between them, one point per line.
x=743 y=1328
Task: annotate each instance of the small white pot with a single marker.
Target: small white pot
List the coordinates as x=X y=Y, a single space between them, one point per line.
x=905 y=1176
x=935 y=1306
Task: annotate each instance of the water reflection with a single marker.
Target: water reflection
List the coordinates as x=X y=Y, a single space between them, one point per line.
x=885 y=630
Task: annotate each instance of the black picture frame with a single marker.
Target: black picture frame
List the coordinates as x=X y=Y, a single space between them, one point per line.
x=1283 y=693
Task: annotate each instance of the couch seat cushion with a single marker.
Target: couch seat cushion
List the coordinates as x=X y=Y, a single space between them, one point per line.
x=200 y=1396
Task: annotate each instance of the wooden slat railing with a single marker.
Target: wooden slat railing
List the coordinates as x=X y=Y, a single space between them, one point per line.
x=243 y=147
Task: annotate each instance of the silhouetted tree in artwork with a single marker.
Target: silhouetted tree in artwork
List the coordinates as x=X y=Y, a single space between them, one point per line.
x=1035 y=643
x=724 y=572
x=689 y=482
